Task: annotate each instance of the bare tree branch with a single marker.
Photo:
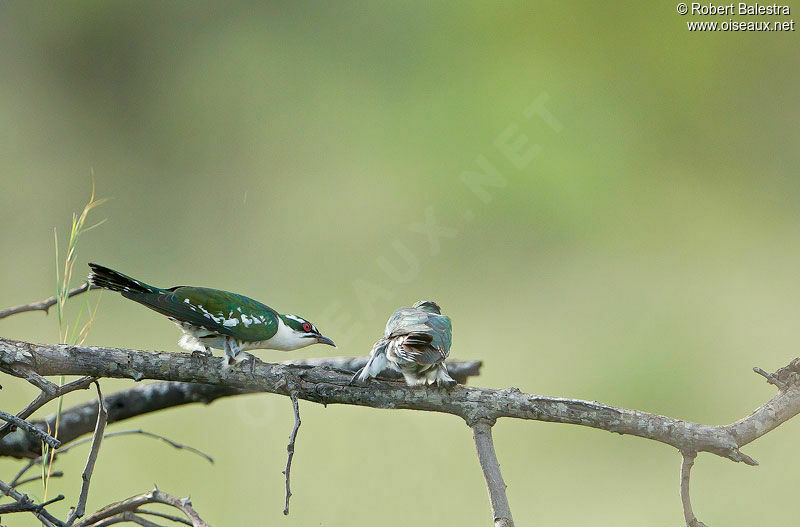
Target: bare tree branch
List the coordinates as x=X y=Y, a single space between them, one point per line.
x=28 y=465
x=17 y=482
x=290 y=449
x=32 y=430
x=50 y=391
x=141 y=399
x=686 y=468
x=26 y=505
x=80 y=419
x=151 y=435
x=770 y=378
x=56 y=474
x=133 y=503
x=127 y=517
x=170 y=517
x=484 y=444
x=43 y=305
x=477 y=406
x=328 y=386
x=102 y=418
x=41 y=514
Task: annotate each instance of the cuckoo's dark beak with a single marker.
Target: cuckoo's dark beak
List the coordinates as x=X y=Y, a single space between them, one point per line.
x=325 y=340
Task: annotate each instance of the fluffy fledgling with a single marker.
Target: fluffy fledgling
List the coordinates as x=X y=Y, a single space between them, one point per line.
x=415 y=343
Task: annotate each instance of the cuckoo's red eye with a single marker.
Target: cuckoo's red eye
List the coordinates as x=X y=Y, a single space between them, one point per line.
x=306 y=327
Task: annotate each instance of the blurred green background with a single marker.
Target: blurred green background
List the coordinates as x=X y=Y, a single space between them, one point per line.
x=645 y=257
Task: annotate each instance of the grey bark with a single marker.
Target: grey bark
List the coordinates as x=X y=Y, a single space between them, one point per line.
x=86 y=476
x=132 y=504
x=328 y=386
x=686 y=471
x=80 y=420
x=484 y=445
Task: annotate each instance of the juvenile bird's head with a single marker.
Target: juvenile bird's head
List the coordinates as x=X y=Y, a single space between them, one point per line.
x=302 y=333
x=428 y=305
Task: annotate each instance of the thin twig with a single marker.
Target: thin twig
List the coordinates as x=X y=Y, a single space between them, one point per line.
x=102 y=417
x=163 y=515
x=170 y=442
x=482 y=434
x=47 y=523
x=686 y=469
x=290 y=449
x=25 y=425
x=126 y=517
x=17 y=482
x=43 y=305
x=771 y=378
x=26 y=505
x=27 y=467
x=40 y=513
x=138 y=520
x=49 y=388
x=56 y=474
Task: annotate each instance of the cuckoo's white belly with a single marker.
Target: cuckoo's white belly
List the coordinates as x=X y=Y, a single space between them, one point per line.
x=198 y=339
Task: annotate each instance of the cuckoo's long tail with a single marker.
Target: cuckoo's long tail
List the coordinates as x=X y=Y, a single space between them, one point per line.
x=103 y=277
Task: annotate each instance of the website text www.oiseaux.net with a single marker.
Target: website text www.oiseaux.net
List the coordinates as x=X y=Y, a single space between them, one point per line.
x=735 y=25
x=732 y=10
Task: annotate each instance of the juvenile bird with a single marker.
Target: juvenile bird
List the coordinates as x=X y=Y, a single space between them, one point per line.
x=211 y=318
x=416 y=342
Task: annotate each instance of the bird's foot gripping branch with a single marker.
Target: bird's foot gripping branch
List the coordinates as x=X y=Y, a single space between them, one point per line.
x=196 y=379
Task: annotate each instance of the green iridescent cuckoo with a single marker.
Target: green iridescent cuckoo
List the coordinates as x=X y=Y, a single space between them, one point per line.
x=211 y=318
x=415 y=343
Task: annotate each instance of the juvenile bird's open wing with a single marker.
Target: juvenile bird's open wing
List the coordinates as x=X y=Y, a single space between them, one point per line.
x=416 y=347
x=218 y=311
